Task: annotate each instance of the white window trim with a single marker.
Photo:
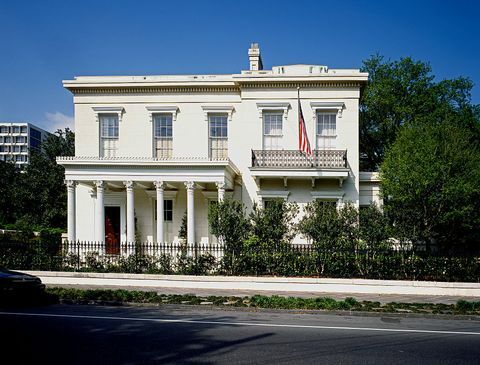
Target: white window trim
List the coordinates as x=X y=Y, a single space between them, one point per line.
x=162 y=109
x=119 y=110
x=319 y=107
x=273 y=194
x=219 y=109
x=272 y=107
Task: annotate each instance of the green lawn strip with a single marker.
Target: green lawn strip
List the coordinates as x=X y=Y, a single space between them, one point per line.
x=261 y=301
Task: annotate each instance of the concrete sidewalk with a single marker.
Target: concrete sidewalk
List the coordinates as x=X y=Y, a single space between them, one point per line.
x=373 y=290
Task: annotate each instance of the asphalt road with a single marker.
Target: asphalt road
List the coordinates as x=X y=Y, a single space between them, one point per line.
x=68 y=334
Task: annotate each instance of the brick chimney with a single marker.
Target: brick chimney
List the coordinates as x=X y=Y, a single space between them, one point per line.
x=255 y=58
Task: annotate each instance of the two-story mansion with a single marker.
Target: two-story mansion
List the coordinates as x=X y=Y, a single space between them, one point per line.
x=151 y=148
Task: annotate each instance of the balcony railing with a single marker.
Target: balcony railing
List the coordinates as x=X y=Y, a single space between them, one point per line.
x=296 y=159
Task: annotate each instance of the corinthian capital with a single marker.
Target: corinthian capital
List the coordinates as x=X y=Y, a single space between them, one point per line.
x=128 y=184
x=190 y=185
x=70 y=184
x=159 y=185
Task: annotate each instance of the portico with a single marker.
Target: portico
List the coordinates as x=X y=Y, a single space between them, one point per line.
x=140 y=193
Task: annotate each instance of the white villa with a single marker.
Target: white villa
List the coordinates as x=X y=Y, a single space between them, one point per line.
x=150 y=148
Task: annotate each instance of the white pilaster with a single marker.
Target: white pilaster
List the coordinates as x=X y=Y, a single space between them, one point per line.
x=100 y=212
x=71 y=233
x=160 y=186
x=190 y=185
x=221 y=191
x=130 y=211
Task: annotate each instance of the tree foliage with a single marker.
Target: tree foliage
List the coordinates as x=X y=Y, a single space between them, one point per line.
x=402 y=92
x=431 y=181
x=38 y=194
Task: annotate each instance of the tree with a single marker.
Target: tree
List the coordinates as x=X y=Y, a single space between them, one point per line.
x=9 y=180
x=330 y=228
x=431 y=182
x=402 y=92
x=228 y=221
x=42 y=195
x=275 y=223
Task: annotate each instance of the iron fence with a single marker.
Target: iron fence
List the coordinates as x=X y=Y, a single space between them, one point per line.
x=211 y=258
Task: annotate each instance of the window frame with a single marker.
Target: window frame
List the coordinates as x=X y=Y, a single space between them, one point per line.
x=156 y=138
x=218 y=137
x=331 y=134
x=266 y=116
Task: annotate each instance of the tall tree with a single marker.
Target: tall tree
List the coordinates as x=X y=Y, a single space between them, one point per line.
x=402 y=92
x=42 y=194
x=431 y=183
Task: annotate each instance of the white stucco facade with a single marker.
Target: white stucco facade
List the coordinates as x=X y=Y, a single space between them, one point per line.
x=258 y=125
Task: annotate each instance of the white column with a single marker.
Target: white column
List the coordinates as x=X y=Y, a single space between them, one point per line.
x=160 y=187
x=221 y=191
x=190 y=212
x=71 y=234
x=130 y=212
x=100 y=212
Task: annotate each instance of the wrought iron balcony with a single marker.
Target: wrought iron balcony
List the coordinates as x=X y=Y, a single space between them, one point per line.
x=292 y=159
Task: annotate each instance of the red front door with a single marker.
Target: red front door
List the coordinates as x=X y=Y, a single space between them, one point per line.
x=112 y=230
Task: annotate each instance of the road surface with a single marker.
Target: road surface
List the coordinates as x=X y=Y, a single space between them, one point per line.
x=70 y=334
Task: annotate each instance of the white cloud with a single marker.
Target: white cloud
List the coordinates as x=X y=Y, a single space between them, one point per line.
x=58 y=120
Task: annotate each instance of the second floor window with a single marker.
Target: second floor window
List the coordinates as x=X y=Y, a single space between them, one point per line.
x=326 y=130
x=218 y=135
x=272 y=131
x=108 y=135
x=163 y=135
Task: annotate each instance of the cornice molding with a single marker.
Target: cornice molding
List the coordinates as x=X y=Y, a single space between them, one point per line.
x=322 y=106
x=154 y=90
x=271 y=106
x=294 y=85
x=92 y=90
x=209 y=109
x=165 y=109
x=108 y=110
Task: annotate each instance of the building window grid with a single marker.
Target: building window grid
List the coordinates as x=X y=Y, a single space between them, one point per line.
x=163 y=135
x=272 y=131
x=326 y=130
x=218 y=136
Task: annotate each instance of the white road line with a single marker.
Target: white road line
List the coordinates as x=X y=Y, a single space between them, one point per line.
x=223 y=323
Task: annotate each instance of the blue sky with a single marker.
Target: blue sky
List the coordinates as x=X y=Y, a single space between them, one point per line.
x=44 y=42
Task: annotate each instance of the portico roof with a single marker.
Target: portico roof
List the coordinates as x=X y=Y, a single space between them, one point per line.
x=202 y=170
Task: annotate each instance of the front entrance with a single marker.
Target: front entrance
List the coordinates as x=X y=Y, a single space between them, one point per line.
x=112 y=230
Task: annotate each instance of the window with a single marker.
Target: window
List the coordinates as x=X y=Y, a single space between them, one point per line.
x=8 y=139
x=16 y=129
x=1 y=139
x=19 y=158
x=16 y=148
x=326 y=130
x=23 y=129
x=19 y=139
x=23 y=149
x=163 y=135
x=218 y=135
x=168 y=210
x=272 y=131
x=4 y=130
x=108 y=135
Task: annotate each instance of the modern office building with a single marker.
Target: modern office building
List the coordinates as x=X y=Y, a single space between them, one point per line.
x=17 y=140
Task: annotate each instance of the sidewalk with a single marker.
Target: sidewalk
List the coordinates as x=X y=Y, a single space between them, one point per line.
x=383 y=291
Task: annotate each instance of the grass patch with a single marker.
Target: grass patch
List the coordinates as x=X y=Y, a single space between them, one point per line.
x=260 y=301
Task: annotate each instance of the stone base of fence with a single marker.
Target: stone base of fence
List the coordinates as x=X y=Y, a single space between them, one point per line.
x=278 y=285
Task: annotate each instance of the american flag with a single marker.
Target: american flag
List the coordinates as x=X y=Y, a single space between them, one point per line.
x=303 y=142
